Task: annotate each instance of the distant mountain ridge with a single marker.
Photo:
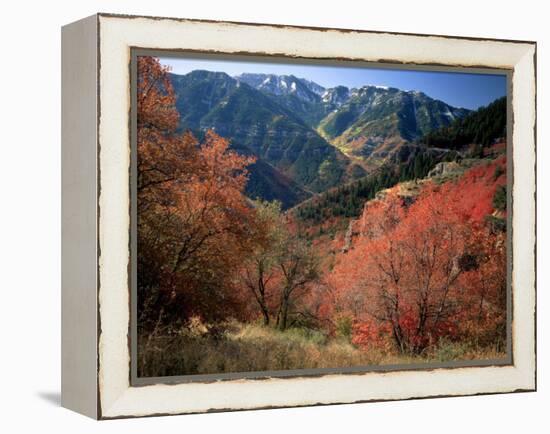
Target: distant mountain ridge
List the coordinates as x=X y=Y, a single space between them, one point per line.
x=302 y=97
x=306 y=137
x=256 y=123
x=283 y=85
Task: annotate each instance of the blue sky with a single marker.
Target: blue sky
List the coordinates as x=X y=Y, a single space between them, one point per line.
x=457 y=89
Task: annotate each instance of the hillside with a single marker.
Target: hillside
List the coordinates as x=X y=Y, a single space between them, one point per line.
x=418 y=230
x=263 y=246
x=306 y=99
x=348 y=200
x=479 y=135
x=377 y=119
x=308 y=139
x=258 y=125
x=347 y=117
x=481 y=127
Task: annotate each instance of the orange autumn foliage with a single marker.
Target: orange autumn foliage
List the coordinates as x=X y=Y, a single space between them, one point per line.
x=428 y=270
x=413 y=270
x=194 y=223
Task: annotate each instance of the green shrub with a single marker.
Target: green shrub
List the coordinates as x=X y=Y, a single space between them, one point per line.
x=496 y=224
x=344 y=327
x=499 y=199
x=498 y=172
x=447 y=350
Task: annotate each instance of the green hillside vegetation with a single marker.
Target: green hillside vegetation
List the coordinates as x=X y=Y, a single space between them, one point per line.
x=432 y=114
x=348 y=200
x=268 y=183
x=310 y=111
x=288 y=129
x=197 y=93
x=252 y=119
x=387 y=114
x=481 y=127
x=257 y=124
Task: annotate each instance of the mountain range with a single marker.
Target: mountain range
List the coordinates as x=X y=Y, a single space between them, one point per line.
x=306 y=138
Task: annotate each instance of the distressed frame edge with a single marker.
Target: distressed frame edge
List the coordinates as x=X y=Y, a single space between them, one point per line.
x=136 y=381
x=520 y=389
x=316 y=28
x=80 y=180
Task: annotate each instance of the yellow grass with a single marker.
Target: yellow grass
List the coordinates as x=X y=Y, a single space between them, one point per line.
x=251 y=347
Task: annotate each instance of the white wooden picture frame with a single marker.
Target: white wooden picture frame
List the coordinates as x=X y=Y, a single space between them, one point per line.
x=96 y=296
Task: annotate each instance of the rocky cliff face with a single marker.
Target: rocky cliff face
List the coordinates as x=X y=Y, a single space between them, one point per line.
x=452 y=169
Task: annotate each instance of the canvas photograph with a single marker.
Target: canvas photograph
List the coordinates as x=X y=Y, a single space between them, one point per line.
x=302 y=217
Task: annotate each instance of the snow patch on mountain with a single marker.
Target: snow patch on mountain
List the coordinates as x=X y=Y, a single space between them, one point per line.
x=449 y=114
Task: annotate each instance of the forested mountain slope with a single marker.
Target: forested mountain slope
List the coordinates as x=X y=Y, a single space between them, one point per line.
x=308 y=139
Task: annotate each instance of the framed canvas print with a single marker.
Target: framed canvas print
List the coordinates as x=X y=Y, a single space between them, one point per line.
x=260 y=216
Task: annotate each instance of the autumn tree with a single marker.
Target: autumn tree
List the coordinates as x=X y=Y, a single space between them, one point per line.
x=281 y=267
x=421 y=264
x=299 y=267
x=259 y=269
x=429 y=268
x=193 y=218
x=408 y=276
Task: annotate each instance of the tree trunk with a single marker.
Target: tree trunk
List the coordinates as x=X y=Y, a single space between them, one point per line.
x=284 y=313
x=265 y=313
